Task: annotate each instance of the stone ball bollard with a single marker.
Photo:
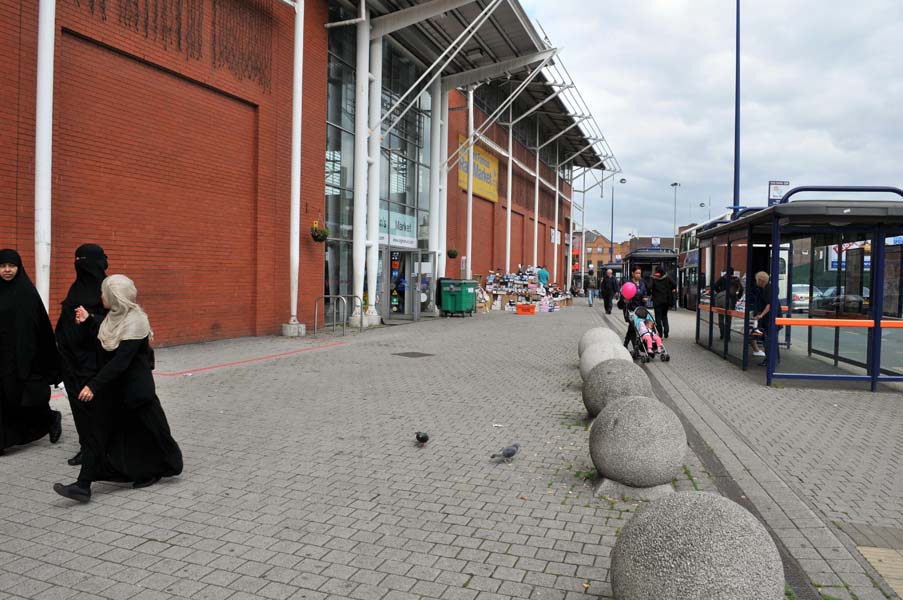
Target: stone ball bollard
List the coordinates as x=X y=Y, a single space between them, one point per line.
x=638 y=441
x=599 y=352
x=613 y=379
x=596 y=334
x=695 y=546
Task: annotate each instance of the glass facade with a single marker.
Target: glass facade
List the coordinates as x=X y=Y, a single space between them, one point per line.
x=404 y=161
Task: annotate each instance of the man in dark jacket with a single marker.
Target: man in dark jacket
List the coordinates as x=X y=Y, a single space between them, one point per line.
x=662 y=290
x=609 y=288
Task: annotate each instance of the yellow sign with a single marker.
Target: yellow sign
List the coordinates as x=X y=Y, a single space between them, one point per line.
x=485 y=176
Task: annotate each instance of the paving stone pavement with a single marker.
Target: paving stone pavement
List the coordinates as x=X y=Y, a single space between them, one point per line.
x=822 y=465
x=302 y=479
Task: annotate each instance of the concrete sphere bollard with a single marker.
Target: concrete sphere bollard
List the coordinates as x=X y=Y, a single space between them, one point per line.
x=613 y=379
x=599 y=352
x=695 y=546
x=596 y=334
x=637 y=441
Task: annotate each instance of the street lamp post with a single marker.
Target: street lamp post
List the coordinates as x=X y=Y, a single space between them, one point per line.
x=736 y=205
x=611 y=239
x=675 y=185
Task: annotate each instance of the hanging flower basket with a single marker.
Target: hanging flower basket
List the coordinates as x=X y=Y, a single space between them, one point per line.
x=452 y=253
x=319 y=234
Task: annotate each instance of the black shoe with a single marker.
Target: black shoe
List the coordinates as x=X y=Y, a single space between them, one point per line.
x=666 y=336
x=75 y=460
x=56 y=427
x=73 y=491
x=146 y=483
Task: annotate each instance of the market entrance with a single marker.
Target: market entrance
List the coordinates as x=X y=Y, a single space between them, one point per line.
x=406 y=283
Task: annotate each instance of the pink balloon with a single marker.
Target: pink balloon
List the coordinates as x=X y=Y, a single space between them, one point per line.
x=628 y=290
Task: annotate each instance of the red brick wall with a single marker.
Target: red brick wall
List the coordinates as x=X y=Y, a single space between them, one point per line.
x=489 y=220
x=179 y=165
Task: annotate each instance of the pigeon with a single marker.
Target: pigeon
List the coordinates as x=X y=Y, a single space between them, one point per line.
x=507 y=453
x=422 y=437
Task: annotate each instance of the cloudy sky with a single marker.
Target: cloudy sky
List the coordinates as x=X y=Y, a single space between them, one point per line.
x=822 y=98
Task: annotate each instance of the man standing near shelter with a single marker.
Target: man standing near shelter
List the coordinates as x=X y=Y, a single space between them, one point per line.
x=609 y=289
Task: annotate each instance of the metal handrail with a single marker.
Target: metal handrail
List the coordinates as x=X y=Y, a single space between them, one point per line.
x=361 y=330
x=334 y=306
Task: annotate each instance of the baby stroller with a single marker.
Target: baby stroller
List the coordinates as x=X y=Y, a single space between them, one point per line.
x=638 y=332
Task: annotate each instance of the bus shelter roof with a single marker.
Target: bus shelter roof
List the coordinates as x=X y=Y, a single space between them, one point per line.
x=812 y=213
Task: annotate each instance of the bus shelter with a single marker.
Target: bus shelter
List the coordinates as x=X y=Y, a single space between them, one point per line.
x=835 y=269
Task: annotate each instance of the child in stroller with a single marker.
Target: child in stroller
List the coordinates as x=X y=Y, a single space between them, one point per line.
x=644 y=336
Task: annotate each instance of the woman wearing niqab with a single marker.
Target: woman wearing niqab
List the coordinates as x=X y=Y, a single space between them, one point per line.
x=130 y=438
x=29 y=363
x=78 y=342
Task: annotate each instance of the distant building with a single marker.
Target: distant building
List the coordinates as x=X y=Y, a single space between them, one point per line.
x=599 y=250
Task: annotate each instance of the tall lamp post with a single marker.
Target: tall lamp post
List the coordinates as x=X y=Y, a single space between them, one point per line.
x=675 y=185
x=737 y=122
x=703 y=205
x=611 y=239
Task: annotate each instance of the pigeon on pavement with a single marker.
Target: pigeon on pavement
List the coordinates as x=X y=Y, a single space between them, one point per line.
x=507 y=453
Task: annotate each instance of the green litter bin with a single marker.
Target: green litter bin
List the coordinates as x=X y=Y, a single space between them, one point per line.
x=458 y=296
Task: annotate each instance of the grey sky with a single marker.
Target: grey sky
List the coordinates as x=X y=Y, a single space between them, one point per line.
x=822 y=98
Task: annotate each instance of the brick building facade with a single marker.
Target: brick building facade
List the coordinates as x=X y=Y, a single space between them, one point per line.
x=171 y=149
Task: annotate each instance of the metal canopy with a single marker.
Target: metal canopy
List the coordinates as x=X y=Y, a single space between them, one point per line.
x=508 y=34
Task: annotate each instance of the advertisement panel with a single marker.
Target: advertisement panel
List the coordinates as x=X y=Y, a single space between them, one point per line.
x=485 y=175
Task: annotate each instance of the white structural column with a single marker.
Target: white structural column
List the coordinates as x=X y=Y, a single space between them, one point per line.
x=359 y=218
x=443 y=186
x=292 y=328
x=583 y=230
x=436 y=168
x=374 y=165
x=43 y=172
x=536 y=203
x=470 y=170
x=556 y=244
x=509 y=185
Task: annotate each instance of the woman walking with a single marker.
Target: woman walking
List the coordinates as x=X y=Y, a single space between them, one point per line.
x=129 y=436
x=78 y=348
x=29 y=363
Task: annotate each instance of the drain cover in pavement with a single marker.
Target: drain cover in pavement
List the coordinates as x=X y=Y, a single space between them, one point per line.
x=412 y=354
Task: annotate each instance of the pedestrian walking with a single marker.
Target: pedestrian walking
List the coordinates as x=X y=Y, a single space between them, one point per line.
x=663 y=290
x=77 y=345
x=589 y=284
x=609 y=290
x=129 y=439
x=29 y=363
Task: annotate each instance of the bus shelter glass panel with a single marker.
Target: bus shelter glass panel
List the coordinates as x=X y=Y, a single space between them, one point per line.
x=892 y=313
x=704 y=307
x=723 y=296
x=735 y=315
x=838 y=268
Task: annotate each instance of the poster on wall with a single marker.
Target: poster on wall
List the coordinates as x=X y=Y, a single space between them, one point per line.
x=485 y=175
x=397 y=230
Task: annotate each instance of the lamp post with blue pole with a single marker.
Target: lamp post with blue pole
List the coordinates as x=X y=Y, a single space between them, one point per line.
x=611 y=240
x=736 y=205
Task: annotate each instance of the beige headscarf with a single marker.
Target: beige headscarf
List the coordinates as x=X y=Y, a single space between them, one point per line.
x=126 y=320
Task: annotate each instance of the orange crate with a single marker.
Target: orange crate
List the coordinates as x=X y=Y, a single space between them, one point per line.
x=526 y=309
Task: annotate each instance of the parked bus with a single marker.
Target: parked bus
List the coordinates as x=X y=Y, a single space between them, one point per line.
x=649 y=258
x=691 y=270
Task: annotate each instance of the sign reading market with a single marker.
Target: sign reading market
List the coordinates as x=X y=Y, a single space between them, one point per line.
x=485 y=175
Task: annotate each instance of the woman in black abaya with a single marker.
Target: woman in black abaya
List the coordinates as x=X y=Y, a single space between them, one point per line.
x=129 y=436
x=78 y=347
x=29 y=363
